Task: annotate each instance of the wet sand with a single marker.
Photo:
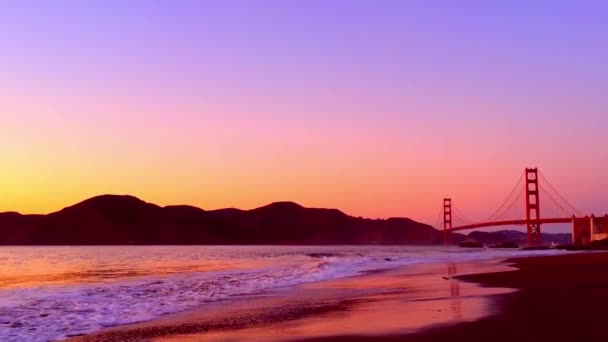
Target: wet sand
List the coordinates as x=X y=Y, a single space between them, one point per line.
x=374 y=305
x=560 y=298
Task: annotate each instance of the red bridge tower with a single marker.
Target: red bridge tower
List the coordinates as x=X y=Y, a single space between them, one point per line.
x=532 y=206
x=447 y=220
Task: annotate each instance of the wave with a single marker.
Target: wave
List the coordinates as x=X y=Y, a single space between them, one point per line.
x=48 y=313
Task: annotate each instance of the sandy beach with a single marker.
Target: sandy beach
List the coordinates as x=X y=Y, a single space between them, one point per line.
x=562 y=298
x=559 y=298
x=377 y=304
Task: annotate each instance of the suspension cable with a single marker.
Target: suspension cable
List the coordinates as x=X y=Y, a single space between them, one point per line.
x=464 y=218
x=494 y=214
x=438 y=220
x=556 y=202
x=573 y=209
x=511 y=206
x=510 y=201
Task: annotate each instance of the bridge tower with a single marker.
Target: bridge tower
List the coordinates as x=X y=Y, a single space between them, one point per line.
x=532 y=206
x=447 y=220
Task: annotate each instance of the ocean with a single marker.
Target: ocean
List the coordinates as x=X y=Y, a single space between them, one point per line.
x=49 y=293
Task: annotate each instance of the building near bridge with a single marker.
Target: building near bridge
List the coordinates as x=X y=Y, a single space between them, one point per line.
x=588 y=229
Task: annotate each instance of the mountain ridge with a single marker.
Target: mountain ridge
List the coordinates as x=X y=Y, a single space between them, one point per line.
x=124 y=219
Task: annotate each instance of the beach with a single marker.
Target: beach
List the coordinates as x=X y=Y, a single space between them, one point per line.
x=302 y=293
x=562 y=297
x=397 y=301
x=558 y=298
x=58 y=292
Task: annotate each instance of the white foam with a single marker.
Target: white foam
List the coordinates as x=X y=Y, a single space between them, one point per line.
x=55 y=312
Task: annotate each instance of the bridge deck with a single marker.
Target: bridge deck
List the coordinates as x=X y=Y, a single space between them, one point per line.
x=513 y=223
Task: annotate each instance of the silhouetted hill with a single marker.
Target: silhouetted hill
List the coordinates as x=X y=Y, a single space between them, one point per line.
x=104 y=219
x=111 y=219
x=16 y=228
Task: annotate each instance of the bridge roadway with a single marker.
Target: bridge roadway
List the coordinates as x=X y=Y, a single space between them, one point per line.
x=513 y=223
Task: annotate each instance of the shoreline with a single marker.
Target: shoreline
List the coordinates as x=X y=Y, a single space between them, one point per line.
x=557 y=298
x=373 y=304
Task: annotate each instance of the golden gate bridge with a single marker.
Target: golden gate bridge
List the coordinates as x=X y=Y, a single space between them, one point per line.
x=523 y=207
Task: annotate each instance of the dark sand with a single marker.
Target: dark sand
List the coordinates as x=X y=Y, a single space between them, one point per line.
x=561 y=298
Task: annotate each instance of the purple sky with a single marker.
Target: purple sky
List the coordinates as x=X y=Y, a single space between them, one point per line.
x=380 y=108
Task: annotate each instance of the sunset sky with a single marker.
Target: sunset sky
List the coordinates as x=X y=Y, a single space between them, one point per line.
x=378 y=108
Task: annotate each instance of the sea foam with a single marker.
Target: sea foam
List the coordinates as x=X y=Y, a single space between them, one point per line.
x=54 y=312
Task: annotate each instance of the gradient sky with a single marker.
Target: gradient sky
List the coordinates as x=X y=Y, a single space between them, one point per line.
x=379 y=108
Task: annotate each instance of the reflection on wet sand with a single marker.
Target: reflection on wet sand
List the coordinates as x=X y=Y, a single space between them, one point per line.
x=455 y=292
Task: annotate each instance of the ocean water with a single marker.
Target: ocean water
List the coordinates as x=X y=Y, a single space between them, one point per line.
x=49 y=293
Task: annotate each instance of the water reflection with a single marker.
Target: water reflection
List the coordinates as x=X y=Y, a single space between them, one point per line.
x=455 y=302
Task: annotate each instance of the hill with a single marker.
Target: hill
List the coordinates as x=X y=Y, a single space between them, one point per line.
x=112 y=219
x=118 y=220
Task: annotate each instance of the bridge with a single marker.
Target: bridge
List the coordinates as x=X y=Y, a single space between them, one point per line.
x=523 y=207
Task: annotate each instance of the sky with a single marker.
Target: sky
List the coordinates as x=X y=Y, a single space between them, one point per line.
x=378 y=108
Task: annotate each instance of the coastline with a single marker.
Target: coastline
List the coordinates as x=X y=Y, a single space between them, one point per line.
x=379 y=303
x=558 y=298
